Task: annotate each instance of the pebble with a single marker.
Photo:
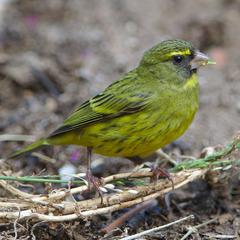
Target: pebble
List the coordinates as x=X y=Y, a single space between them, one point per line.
x=66 y=171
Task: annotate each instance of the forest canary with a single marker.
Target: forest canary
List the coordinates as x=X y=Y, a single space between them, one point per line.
x=145 y=109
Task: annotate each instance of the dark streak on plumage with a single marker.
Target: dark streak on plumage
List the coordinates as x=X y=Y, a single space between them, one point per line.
x=119 y=150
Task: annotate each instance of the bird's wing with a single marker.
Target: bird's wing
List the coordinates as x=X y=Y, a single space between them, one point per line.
x=102 y=107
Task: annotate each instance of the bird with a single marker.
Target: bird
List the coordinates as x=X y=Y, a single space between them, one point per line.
x=144 y=110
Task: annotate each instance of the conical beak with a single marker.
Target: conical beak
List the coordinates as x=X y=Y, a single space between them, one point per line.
x=200 y=59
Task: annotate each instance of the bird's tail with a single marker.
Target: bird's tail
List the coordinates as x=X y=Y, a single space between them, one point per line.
x=29 y=148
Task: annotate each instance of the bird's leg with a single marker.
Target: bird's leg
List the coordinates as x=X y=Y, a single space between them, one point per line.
x=89 y=175
x=92 y=180
x=160 y=154
x=89 y=159
x=157 y=171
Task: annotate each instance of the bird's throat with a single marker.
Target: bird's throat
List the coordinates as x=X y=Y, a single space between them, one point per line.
x=191 y=82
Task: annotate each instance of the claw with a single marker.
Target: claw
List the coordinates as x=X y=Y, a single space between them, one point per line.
x=159 y=172
x=94 y=183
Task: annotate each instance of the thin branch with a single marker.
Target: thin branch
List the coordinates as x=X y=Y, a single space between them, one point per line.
x=38 y=179
x=127 y=175
x=194 y=229
x=156 y=229
x=14 y=190
x=17 y=138
x=161 y=153
x=44 y=158
x=15 y=204
x=213 y=236
x=33 y=228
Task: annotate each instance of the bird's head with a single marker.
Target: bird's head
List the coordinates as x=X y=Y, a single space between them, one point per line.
x=177 y=56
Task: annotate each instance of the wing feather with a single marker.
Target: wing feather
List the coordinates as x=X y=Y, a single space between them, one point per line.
x=104 y=106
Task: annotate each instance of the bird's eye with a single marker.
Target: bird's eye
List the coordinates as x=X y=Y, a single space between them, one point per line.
x=177 y=59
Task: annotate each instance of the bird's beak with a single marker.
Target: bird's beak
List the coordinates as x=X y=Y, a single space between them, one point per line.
x=200 y=59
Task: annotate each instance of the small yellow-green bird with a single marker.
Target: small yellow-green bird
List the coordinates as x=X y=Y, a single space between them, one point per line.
x=142 y=111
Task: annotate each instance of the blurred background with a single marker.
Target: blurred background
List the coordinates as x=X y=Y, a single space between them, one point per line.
x=56 y=54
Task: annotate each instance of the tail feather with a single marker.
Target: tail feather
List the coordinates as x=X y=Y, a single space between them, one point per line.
x=29 y=148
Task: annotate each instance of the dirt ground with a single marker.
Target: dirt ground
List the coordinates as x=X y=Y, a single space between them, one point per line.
x=56 y=54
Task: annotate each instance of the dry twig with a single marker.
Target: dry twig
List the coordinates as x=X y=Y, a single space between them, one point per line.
x=17 y=137
x=194 y=229
x=135 y=236
x=93 y=207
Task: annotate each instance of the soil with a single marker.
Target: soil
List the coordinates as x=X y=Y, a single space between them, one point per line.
x=56 y=54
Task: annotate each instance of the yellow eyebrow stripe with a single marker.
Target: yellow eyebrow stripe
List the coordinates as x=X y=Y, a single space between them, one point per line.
x=185 y=52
